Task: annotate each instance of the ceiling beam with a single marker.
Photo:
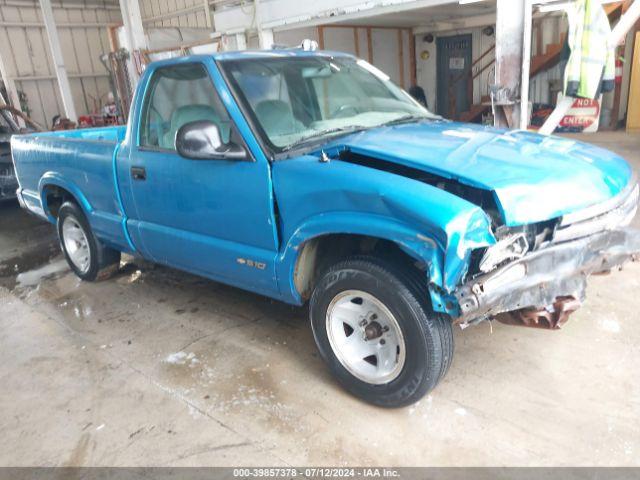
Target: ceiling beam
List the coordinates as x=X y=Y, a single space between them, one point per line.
x=456 y=23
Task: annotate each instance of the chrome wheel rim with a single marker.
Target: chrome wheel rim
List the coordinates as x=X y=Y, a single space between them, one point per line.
x=365 y=337
x=76 y=244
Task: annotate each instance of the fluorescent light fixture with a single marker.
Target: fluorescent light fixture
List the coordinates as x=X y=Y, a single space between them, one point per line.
x=464 y=2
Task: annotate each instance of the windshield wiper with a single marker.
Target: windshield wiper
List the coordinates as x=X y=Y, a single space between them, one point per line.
x=404 y=119
x=322 y=133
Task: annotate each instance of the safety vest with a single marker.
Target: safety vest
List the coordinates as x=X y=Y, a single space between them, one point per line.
x=591 y=66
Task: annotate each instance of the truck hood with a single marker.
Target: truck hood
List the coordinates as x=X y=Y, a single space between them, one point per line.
x=533 y=177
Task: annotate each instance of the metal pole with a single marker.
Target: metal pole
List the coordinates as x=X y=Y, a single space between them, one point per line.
x=266 y=39
x=134 y=34
x=550 y=124
x=509 y=49
x=625 y=23
x=265 y=36
x=58 y=60
x=241 y=41
x=526 y=64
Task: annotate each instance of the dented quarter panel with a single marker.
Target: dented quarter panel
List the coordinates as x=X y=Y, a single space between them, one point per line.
x=317 y=198
x=533 y=177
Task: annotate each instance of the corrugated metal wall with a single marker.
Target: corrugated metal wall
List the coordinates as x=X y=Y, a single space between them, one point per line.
x=174 y=13
x=82 y=28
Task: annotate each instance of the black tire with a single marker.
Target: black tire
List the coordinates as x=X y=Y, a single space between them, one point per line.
x=428 y=336
x=103 y=261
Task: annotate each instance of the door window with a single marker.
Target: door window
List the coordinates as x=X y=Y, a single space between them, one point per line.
x=178 y=95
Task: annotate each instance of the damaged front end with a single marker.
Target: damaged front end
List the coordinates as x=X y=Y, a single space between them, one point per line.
x=539 y=280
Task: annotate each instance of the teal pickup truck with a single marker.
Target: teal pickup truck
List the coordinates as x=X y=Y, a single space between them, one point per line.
x=310 y=177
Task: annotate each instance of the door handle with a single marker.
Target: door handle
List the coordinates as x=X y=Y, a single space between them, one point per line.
x=138 y=173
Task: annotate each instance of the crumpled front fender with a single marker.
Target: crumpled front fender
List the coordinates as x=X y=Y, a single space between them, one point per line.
x=430 y=224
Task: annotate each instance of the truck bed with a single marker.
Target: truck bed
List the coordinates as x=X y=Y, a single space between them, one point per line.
x=79 y=161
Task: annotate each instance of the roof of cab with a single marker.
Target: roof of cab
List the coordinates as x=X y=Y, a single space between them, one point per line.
x=278 y=53
x=255 y=54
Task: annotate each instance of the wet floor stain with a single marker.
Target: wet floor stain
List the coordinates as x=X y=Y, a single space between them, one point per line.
x=32 y=278
x=206 y=370
x=30 y=266
x=80 y=452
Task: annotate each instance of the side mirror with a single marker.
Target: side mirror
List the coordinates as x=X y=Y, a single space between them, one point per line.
x=201 y=140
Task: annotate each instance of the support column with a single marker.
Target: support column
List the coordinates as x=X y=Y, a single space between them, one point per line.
x=241 y=41
x=526 y=64
x=265 y=37
x=509 y=36
x=58 y=60
x=134 y=34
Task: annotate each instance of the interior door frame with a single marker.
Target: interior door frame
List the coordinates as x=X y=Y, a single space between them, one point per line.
x=442 y=73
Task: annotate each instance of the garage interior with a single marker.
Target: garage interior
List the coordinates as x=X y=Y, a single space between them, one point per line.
x=156 y=367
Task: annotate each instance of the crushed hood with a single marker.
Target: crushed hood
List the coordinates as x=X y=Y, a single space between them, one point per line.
x=533 y=177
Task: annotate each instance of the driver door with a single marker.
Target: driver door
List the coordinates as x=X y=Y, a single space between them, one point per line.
x=210 y=217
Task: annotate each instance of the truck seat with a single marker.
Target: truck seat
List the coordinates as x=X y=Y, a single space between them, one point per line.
x=193 y=113
x=276 y=117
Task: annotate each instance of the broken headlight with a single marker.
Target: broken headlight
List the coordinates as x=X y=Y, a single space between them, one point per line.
x=509 y=248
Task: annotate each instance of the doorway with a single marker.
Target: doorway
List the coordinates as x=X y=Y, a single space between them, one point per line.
x=454 y=67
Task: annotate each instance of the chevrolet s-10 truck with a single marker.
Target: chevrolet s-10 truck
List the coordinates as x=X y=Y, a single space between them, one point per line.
x=309 y=176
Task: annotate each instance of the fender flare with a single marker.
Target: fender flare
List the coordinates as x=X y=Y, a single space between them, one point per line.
x=425 y=247
x=56 y=179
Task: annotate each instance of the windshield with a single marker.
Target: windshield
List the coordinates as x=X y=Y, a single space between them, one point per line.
x=299 y=99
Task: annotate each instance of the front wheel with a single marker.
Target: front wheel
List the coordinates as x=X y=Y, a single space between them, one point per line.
x=375 y=330
x=85 y=254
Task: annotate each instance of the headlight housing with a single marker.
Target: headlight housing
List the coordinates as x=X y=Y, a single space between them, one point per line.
x=509 y=248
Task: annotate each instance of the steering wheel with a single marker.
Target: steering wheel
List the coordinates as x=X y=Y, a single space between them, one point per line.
x=343 y=110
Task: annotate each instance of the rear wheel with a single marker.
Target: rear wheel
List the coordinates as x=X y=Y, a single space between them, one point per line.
x=87 y=257
x=377 y=333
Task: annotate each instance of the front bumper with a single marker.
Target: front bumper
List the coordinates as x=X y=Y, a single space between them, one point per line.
x=539 y=278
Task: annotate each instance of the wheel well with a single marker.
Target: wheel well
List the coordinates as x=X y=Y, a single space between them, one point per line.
x=319 y=253
x=55 y=196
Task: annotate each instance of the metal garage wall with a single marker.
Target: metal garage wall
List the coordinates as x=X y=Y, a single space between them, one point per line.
x=82 y=27
x=176 y=13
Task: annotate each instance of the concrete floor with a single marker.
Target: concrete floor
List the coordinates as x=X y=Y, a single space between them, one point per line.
x=157 y=367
